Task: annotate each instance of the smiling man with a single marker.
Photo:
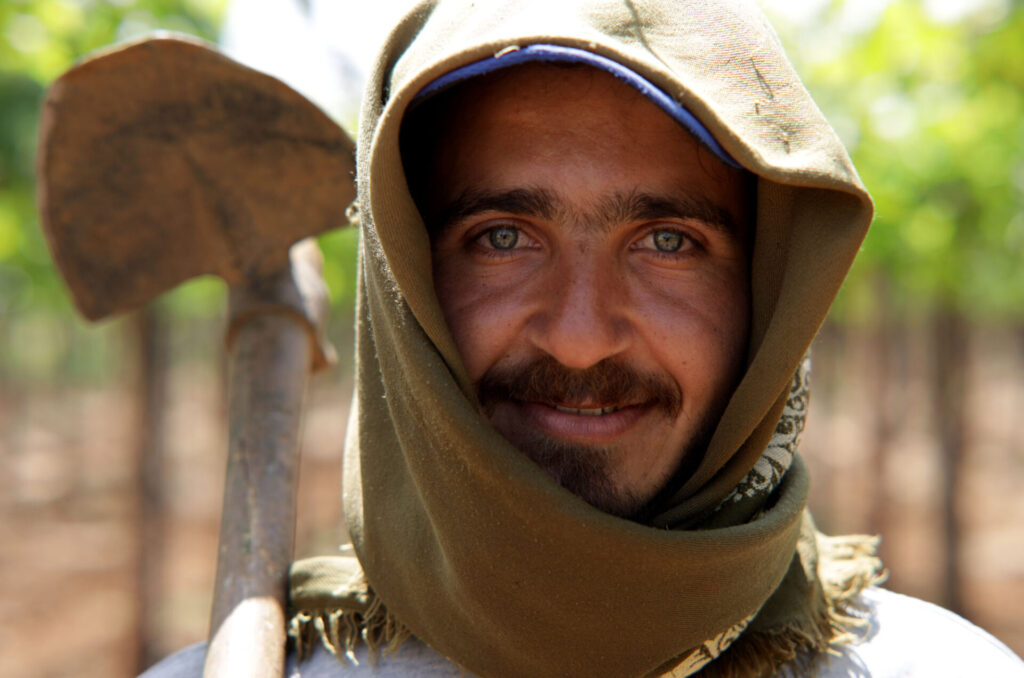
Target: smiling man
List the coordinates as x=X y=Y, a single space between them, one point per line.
x=598 y=238
x=591 y=259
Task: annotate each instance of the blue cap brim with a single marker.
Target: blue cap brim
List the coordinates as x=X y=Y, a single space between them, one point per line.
x=557 y=53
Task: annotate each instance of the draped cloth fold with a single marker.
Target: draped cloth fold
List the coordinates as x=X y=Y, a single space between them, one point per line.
x=464 y=542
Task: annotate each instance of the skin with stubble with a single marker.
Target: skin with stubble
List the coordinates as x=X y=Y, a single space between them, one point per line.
x=591 y=260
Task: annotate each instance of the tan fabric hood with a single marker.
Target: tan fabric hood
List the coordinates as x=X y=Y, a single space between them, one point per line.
x=724 y=63
x=468 y=543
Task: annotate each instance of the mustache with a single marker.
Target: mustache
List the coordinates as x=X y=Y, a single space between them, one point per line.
x=610 y=382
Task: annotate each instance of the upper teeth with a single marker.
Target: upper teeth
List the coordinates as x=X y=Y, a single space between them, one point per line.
x=590 y=412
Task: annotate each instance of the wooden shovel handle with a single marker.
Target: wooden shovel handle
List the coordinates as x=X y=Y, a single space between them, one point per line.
x=271 y=354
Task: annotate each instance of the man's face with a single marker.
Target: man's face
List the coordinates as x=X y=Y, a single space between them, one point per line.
x=591 y=261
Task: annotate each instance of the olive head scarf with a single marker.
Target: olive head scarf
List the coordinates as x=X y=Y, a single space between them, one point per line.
x=464 y=542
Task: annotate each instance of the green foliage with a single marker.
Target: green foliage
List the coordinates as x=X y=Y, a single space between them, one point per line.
x=934 y=115
x=339 y=248
x=42 y=38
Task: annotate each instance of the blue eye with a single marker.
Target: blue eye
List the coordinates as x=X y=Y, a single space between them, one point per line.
x=503 y=237
x=668 y=241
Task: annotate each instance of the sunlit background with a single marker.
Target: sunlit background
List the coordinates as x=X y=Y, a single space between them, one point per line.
x=112 y=437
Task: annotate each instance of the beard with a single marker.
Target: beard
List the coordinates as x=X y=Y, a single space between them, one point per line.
x=585 y=470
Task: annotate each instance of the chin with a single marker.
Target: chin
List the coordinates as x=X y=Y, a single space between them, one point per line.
x=587 y=471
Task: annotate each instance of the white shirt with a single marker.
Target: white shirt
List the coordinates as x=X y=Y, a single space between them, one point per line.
x=907 y=638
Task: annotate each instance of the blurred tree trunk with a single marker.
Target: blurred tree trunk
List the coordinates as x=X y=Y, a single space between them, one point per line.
x=950 y=368
x=828 y=367
x=149 y=326
x=887 y=375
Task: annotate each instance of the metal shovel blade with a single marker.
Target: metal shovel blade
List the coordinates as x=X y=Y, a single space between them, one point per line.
x=164 y=160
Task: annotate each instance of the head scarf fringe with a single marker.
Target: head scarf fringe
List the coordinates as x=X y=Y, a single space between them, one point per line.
x=847 y=565
x=360 y=617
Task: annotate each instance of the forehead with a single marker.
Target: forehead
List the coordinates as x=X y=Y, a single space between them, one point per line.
x=558 y=125
x=553 y=99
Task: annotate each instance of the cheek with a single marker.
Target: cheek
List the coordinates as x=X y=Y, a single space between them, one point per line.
x=483 y=316
x=726 y=312
x=697 y=328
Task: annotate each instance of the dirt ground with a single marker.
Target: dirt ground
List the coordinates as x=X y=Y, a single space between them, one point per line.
x=70 y=535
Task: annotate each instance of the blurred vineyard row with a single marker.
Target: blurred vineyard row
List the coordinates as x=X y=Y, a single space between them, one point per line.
x=111 y=435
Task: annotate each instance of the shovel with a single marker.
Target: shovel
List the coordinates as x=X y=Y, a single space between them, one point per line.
x=164 y=160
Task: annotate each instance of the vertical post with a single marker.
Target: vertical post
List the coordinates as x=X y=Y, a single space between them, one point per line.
x=149 y=330
x=949 y=409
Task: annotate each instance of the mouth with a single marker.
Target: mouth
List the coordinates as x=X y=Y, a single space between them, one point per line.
x=581 y=422
x=588 y=412
x=606 y=404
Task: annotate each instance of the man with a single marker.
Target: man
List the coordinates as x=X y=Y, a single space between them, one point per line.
x=598 y=239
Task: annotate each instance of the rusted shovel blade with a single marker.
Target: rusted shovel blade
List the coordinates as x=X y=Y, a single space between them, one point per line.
x=164 y=160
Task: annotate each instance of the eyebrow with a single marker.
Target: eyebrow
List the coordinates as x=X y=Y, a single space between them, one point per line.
x=617 y=208
x=517 y=201
x=637 y=206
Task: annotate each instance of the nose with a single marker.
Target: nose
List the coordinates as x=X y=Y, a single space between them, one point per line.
x=581 y=316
